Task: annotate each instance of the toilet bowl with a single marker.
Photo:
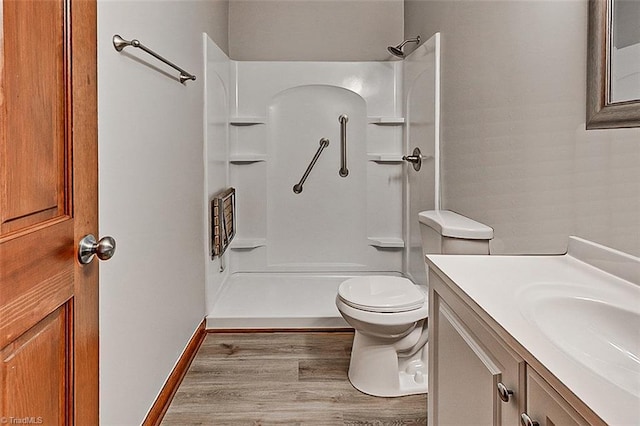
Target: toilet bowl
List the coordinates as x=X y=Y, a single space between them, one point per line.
x=389 y=314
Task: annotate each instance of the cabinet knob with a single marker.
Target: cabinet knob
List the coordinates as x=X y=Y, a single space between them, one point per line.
x=525 y=420
x=503 y=392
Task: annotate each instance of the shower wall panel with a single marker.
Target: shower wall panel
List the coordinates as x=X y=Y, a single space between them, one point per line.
x=322 y=226
x=279 y=113
x=216 y=149
x=422 y=97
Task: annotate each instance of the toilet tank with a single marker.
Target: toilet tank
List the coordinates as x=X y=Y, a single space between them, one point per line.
x=447 y=232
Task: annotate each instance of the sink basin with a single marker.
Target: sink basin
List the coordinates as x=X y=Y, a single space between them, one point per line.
x=575 y=316
x=597 y=326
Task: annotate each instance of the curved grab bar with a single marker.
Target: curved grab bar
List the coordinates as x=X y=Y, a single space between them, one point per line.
x=297 y=188
x=344 y=172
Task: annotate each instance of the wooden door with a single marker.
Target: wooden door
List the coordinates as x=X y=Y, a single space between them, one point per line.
x=48 y=202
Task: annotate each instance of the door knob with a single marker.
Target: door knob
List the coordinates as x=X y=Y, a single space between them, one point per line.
x=415 y=159
x=89 y=247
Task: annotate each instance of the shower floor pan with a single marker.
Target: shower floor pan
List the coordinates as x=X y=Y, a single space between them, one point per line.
x=280 y=300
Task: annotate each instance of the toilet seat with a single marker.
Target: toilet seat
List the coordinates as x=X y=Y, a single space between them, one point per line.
x=383 y=294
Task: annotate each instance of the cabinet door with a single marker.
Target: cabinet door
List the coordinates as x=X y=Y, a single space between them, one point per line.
x=546 y=407
x=468 y=365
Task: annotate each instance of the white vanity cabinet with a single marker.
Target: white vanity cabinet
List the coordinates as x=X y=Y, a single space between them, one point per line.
x=479 y=375
x=476 y=379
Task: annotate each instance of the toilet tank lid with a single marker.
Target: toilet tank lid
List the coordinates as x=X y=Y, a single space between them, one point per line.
x=454 y=225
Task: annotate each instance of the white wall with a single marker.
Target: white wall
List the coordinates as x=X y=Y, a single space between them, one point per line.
x=151 y=197
x=314 y=30
x=516 y=154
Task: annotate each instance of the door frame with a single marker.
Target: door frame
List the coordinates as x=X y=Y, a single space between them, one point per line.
x=84 y=122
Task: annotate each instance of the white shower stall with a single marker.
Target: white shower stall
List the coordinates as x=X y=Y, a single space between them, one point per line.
x=265 y=123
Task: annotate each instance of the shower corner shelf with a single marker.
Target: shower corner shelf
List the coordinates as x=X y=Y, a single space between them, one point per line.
x=386 y=121
x=385 y=158
x=247 y=243
x=247 y=158
x=386 y=242
x=247 y=120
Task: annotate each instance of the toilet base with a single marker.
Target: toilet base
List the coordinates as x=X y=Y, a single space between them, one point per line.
x=376 y=369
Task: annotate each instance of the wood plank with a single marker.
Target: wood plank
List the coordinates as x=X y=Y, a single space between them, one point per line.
x=329 y=393
x=370 y=417
x=323 y=370
x=262 y=395
x=278 y=344
x=258 y=397
x=207 y=371
x=295 y=418
x=279 y=329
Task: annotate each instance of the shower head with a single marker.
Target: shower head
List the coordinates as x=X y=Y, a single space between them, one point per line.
x=397 y=50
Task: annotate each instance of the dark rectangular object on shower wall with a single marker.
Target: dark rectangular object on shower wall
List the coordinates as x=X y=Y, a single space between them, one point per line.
x=223 y=221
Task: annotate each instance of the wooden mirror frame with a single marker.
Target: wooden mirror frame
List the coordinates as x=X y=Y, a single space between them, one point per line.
x=602 y=114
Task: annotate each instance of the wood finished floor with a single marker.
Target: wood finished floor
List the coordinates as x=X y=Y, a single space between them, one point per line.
x=282 y=379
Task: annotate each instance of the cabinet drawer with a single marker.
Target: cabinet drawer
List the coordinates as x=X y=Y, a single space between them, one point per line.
x=546 y=406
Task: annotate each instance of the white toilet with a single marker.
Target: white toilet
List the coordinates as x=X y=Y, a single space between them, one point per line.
x=389 y=314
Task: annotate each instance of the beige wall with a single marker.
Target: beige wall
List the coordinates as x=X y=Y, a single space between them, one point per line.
x=516 y=155
x=218 y=11
x=313 y=30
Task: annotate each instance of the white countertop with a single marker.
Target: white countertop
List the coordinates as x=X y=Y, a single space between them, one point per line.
x=496 y=283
